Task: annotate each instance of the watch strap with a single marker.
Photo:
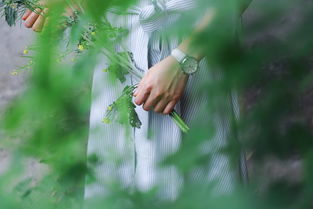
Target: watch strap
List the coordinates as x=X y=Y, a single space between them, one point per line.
x=179 y=55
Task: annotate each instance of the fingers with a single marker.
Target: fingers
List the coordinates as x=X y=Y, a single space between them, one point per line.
x=31 y=19
x=159 y=108
x=152 y=100
x=142 y=97
x=26 y=14
x=142 y=93
x=141 y=85
x=158 y=102
x=37 y=26
x=35 y=20
x=169 y=108
x=136 y=92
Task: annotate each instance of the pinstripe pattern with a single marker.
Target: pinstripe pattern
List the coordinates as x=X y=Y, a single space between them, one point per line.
x=132 y=158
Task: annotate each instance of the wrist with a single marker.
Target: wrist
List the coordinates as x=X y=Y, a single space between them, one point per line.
x=186 y=48
x=188 y=64
x=177 y=67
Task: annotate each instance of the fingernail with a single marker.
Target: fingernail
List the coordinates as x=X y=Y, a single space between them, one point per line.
x=137 y=103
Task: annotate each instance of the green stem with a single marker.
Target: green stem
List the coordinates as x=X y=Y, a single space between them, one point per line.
x=179 y=121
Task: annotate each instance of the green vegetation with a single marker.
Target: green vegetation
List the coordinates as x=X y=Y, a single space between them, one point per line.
x=49 y=120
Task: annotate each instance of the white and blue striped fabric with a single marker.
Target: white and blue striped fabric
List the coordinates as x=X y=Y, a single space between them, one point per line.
x=130 y=156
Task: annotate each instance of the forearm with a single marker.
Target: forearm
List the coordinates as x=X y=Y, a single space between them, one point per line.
x=188 y=45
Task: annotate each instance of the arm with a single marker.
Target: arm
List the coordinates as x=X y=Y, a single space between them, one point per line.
x=186 y=46
x=164 y=84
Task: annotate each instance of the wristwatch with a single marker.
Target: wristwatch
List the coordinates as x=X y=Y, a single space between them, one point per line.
x=189 y=65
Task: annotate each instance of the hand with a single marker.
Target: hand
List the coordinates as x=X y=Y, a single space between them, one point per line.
x=34 y=20
x=162 y=86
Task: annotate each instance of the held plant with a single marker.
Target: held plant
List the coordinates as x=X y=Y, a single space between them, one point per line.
x=122 y=62
x=127 y=66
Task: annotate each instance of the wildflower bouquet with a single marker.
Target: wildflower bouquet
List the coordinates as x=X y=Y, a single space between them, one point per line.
x=122 y=63
x=115 y=110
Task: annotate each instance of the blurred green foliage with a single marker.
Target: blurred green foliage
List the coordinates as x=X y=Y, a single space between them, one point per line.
x=49 y=120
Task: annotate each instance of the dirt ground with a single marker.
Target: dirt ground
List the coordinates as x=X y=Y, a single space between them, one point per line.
x=13 y=42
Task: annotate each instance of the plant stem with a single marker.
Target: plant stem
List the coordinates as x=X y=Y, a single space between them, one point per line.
x=179 y=121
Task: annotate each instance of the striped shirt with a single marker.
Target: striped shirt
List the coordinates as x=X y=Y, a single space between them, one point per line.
x=130 y=156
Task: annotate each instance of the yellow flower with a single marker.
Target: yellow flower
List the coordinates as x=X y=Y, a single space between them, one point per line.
x=25 y=51
x=109 y=108
x=81 y=47
x=106 y=120
x=14 y=72
x=93 y=33
x=14 y=5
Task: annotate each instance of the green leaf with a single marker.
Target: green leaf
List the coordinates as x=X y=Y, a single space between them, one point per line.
x=117 y=70
x=10 y=15
x=123 y=109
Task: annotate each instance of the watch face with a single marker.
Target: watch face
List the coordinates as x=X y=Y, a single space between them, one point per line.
x=190 y=65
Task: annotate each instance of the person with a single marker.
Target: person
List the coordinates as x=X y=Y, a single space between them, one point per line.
x=172 y=72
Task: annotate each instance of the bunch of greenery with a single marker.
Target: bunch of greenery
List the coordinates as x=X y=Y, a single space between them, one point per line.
x=124 y=66
x=49 y=120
